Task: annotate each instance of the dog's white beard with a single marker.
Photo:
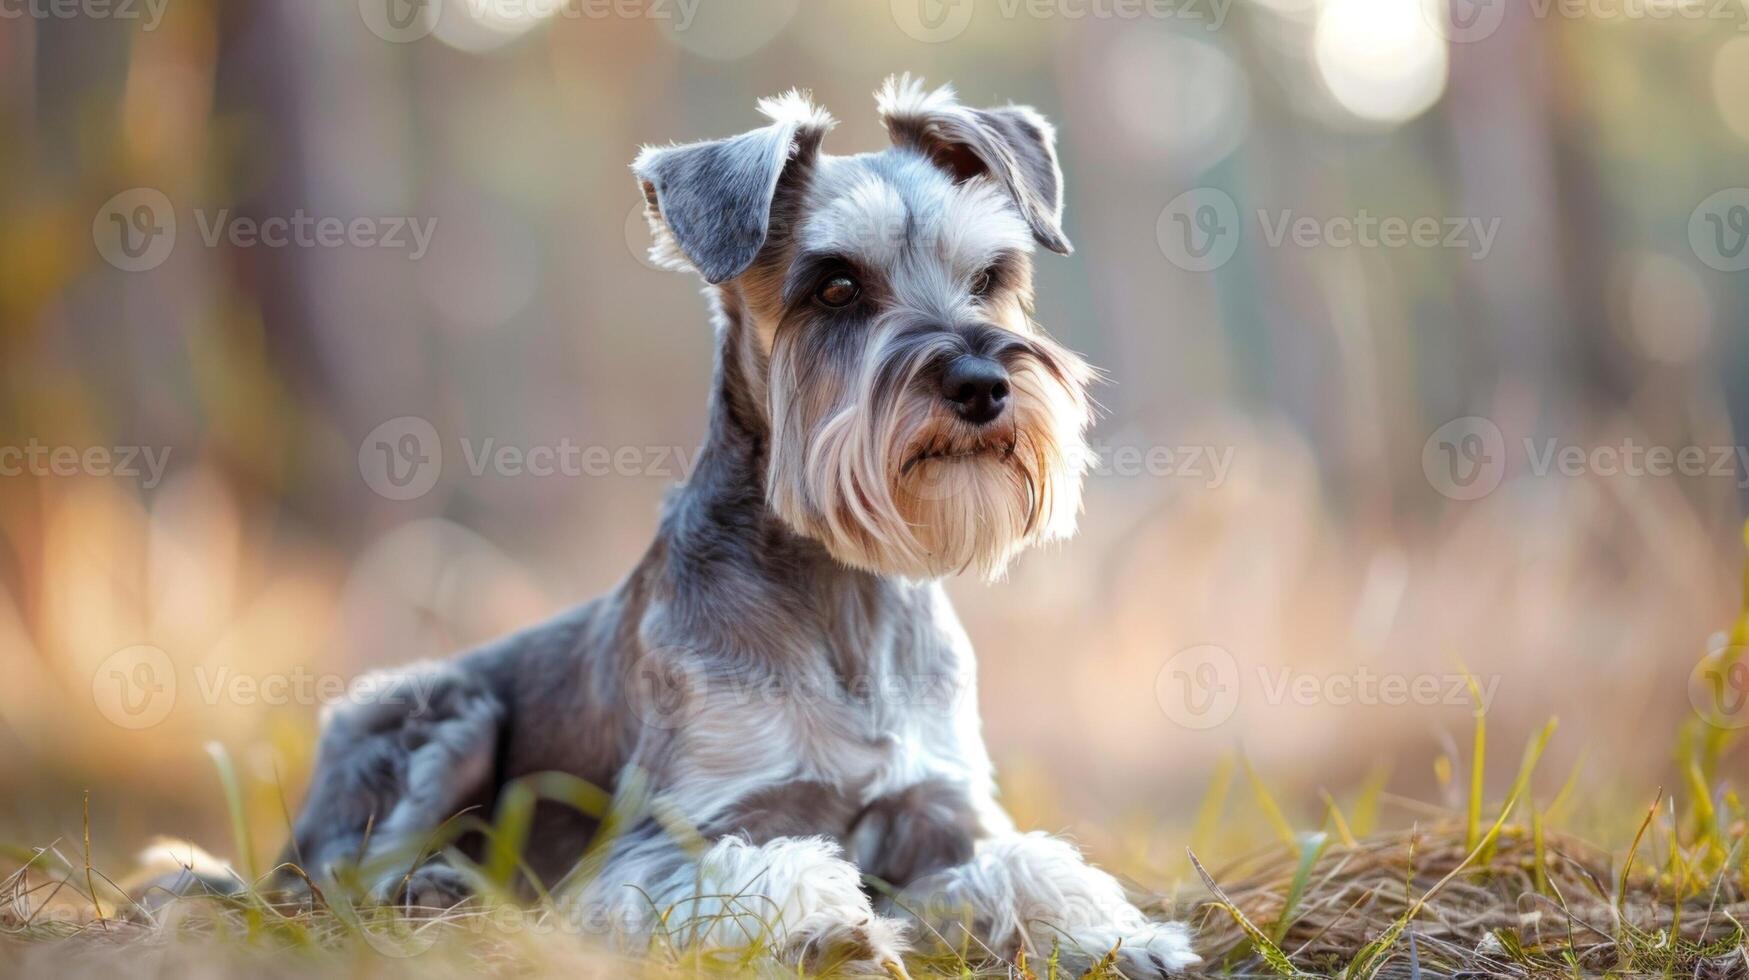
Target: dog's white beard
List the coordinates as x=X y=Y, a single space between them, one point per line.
x=856 y=482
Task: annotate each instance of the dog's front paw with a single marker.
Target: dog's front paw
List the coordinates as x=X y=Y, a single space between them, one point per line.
x=1150 y=949
x=432 y=887
x=872 y=948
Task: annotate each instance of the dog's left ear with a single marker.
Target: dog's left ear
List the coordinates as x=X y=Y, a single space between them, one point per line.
x=1014 y=145
x=709 y=204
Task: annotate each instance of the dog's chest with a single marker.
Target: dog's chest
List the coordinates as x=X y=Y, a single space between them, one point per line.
x=840 y=727
x=887 y=721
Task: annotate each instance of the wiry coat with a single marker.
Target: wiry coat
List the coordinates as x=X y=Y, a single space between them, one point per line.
x=780 y=692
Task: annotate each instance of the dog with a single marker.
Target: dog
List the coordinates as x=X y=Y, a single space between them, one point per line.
x=781 y=680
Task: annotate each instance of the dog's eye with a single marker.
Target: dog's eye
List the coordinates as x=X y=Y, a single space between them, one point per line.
x=982 y=282
x=838 y=291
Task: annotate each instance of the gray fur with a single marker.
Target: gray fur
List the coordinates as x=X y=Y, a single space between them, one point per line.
x=1014 y=145
x=796 y=710
x=714 y=197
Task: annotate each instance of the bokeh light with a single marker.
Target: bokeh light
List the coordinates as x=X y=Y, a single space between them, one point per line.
x=482 y=25
x=1177 y=97
x=1381 y=59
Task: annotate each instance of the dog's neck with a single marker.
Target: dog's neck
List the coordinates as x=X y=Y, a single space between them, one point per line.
x=722 y=507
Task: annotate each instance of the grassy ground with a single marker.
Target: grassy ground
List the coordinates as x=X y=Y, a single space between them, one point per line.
x=1492 y=891
x=1493 y=887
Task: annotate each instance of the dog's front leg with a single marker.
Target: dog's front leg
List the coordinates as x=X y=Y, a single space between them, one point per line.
x=797 y=895
x=1034 y=891
x=402 y=753
x=924 y=828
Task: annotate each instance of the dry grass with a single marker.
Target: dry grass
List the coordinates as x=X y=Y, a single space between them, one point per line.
x=1537 y=907
x=1445 y=898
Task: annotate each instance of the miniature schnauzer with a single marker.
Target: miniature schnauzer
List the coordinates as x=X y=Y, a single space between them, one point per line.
x=782 y=672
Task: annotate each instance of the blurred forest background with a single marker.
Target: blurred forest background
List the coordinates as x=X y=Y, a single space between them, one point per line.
x=144 y=614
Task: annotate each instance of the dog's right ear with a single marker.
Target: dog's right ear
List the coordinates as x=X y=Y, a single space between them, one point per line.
x=709 y=204
x=1014 y=146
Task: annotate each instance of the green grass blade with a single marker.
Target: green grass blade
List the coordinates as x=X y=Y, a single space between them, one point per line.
x=1343 y=830
x=515 y=817
x=1478 y=767
x=1311 y=848
x=1214 y=803
x=1365 y=818
x=1266 y=948
x=233 y=788
x=1627 y=867
x=1539 y=850
x=1271 y=810
x=1533 y=754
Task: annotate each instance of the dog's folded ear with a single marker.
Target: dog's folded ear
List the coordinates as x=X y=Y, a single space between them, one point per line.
x=1014 y=145
x=709 y=203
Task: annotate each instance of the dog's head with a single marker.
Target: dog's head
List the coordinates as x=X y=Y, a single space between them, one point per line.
x=919 y=422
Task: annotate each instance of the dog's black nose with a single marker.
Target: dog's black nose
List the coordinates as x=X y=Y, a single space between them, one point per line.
x=977 y=387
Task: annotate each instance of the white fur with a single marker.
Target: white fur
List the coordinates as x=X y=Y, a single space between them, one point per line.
x=905 y=95
x=1035 y=892
x=796 y=895
x=926 y=228
x=738 y=737
x=869 y=220
x=848 y=473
